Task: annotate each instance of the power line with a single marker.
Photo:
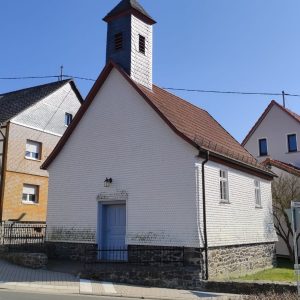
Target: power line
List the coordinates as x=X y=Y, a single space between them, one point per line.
x=29 y=77
x=230 y=92
x=80 y=78
x=59 y=77
x=47 y=77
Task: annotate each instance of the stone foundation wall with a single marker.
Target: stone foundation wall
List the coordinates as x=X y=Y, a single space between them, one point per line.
x=28 y=260
x=223 y=262
x=163 y=276
x=71 y=251
x=226 y=262
x=175 y=256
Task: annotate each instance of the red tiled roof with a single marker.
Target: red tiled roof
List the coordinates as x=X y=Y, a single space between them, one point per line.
x=282 y=165
x=273 y=103
x=193 y=124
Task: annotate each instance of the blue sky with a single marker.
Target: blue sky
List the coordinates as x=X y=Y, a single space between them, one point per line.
x=243 y=45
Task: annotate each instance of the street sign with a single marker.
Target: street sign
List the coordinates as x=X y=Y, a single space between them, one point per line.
x=295 y=206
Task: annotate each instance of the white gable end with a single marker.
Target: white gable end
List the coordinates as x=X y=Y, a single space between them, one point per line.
x=122 y=137
x=48 y=115
x=275 y=127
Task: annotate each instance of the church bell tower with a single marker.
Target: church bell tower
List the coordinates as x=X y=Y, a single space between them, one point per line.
x=129 y=40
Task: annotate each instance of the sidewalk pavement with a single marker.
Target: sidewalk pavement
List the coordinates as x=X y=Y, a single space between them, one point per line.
x=23 y=279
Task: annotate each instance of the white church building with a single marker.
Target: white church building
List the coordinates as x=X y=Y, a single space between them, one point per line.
x=140 y=167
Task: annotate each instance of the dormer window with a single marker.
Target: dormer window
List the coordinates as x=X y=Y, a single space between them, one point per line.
x=68 y=119
x=142 y=44
x=119 y=41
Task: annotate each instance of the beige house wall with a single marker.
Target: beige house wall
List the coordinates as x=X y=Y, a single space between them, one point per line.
x=14 y=208
x=20 y=171
x=16 y=161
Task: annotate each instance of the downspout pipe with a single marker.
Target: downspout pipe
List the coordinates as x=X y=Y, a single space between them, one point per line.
x=206 y=159
x=2 y=171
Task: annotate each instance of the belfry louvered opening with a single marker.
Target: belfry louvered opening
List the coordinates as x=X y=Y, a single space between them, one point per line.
x=142 y=44
x=119 y=41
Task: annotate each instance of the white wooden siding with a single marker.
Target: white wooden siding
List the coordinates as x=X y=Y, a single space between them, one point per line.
x=141 y=64
x=122 y=137
x=239 y=221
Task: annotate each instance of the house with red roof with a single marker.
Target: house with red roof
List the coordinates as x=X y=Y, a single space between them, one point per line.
x=275 y=135
x=274 y=141
x=140 y=170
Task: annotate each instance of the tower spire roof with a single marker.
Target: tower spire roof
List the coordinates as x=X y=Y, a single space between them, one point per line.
x=129 y=6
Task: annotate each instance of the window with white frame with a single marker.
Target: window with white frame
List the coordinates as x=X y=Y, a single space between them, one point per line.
x=224 y=192
x=257 y=193
x=68 y=119
x=33 y=150
x=30 y=193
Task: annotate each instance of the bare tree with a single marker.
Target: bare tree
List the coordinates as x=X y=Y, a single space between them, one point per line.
x=285 y=189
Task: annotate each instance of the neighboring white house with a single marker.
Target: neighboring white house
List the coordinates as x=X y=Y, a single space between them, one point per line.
x=274 y=141
x=128 y=171
x=275 y=135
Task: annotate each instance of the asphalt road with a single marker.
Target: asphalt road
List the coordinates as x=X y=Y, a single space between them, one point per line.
x=11 y=295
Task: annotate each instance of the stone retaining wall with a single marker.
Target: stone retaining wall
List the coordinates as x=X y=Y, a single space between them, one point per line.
x=226 y=262
x=175 y=256
x=163 y=276
x=223 y=262
x=71 y=251
x=28 y=260
x=249 y=288
x=179 y=278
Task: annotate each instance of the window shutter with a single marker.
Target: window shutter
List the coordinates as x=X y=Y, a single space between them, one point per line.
x=29 y=189
x=33 y=147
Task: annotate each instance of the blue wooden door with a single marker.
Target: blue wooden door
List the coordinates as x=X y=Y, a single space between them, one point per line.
x=114 y=231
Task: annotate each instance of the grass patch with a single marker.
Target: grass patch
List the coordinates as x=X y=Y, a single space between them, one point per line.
x=284 y=272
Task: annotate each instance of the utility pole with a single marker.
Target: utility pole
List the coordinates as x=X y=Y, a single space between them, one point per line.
x=61 y=73
x=283 y=98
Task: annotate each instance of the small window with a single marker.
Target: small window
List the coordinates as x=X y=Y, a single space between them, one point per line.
x=142 y=44
x=292 y=143
x=257 y=193
x=263 y=147
x=119 y=41
x=33 y=150
x=30 y=194
x=224 y=195
x=68 y=119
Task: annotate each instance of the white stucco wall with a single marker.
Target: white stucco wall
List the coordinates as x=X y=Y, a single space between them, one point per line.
x=275 y=127
x=122 y=137
x=48 y=115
